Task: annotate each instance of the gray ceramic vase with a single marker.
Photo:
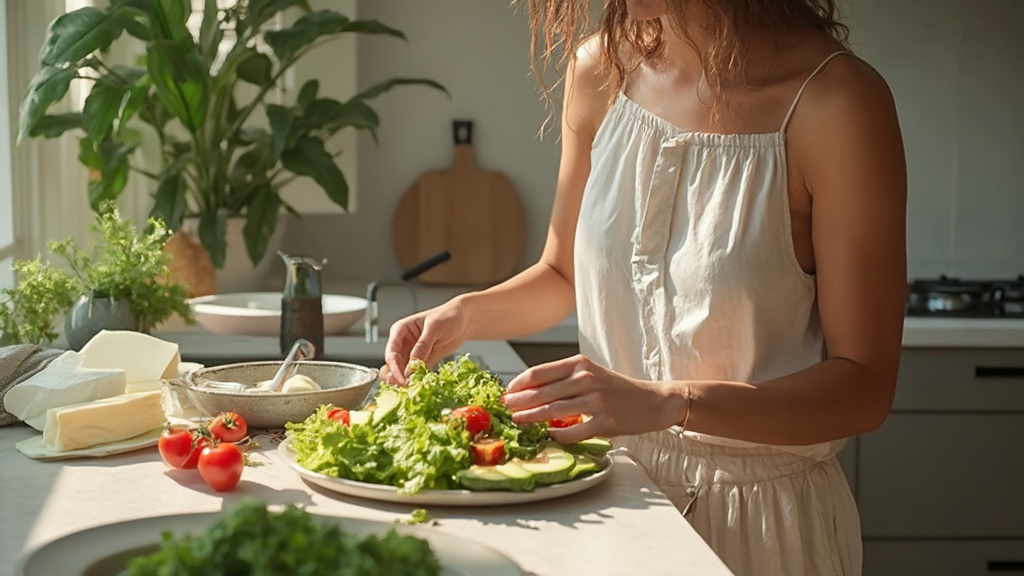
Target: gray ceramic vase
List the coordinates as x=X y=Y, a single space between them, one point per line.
x=91 y=314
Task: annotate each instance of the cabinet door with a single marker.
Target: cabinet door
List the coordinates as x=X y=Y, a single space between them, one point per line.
x=960 y=380
x=944 y=558
x=943 y=476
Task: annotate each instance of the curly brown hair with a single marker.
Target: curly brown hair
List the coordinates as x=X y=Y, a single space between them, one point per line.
x=560 y=26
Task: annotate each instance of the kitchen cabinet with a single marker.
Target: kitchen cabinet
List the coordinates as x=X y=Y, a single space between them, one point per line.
x=939 y=484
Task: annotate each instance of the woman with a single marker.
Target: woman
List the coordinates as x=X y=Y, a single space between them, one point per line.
x=729 y=225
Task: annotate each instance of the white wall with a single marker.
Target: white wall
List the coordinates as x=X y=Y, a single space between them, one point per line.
x=956 y=68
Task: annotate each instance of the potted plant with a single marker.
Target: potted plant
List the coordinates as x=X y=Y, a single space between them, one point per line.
x=215 y=161
x=122 y=283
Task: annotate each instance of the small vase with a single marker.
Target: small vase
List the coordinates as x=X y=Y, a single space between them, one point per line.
x=91 y=314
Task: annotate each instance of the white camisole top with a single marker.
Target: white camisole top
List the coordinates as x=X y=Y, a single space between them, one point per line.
x=684 y=259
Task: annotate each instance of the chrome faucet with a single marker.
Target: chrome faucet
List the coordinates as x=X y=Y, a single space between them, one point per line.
x=372 y=321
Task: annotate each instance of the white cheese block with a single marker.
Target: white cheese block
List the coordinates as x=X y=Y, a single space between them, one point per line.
x=62 y=382
x=102 y=421
x=144 y=358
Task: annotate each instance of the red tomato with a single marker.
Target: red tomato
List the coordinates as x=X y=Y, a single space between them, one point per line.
x=229 y=427
x=180 y=447
x=221 y=466
x=488 y=452
x=477 y=419
x=340 y=415
x=565 y=422
x=199 y=442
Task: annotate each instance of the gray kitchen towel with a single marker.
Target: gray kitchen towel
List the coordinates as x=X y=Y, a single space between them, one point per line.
x=17 y=364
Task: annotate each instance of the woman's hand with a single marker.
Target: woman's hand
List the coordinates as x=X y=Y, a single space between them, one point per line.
x=616 y=404
x=428 y=336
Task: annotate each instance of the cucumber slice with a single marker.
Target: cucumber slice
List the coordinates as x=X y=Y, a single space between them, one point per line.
x=551 y=466
x=585 y=465
x=387 y=401
x=593 y=446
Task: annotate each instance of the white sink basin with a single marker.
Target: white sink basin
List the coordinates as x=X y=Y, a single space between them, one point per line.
x=259 y=313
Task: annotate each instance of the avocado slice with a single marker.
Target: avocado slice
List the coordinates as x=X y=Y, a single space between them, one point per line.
x=500 y=477
x=551 y=465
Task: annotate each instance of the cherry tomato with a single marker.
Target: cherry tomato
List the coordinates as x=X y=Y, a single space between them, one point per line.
x=477 y=419
x=565 y=422
x=229 y=427
x=221 y=466
x=488 y=452
x=340 y=415
x=180 y=447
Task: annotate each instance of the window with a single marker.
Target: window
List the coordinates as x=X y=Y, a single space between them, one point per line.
x=7 y=238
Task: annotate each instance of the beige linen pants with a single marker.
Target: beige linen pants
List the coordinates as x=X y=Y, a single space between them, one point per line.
x=765 y=512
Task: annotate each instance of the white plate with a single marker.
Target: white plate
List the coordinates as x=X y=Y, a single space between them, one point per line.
x=103 y=551
x=36 y=449
x=259 y=313
x=444 y=497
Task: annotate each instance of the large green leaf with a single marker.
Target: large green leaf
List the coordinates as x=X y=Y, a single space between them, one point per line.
x=56 y=124
x=170 y=203
x=210 y=32
x=261 y=11
x=181 y=78
x=281 y=120
x=380 y=88
x=49 y=85
x=309 y=158
x=107 y=98
x=261 y=220
x=288 y=42
x=308 y=92
x=108 y=167
x=168 y=18
x=134 y=102
x=77 y=34
x=256 y=68
x=213 y=228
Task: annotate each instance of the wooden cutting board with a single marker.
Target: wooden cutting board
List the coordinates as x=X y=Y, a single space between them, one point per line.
x=474 y=214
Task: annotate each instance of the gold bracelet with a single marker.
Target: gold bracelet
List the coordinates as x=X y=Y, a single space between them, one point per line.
x=689 y=402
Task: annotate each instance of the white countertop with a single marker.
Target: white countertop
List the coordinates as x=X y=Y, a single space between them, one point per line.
x=620 y=526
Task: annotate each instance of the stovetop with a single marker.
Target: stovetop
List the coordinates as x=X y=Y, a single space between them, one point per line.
x=966 y=298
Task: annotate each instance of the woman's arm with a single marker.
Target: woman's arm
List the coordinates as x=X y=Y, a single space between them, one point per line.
x=846 y=142
x=543 y=294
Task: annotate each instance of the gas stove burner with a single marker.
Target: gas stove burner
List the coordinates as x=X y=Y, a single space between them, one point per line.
x=953 y=297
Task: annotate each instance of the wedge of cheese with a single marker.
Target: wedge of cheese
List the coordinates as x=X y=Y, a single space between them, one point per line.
x=102 y=421
x=64 y=381
x=144 y=358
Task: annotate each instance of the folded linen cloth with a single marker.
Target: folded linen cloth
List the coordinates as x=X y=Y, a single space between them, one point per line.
x=62 y=382
x=17 y=364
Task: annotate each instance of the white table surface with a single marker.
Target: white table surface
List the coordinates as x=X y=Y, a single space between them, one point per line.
x=621 y=526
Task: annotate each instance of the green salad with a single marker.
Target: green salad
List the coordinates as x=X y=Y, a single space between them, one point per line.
x=249 y=540
x=413 y=438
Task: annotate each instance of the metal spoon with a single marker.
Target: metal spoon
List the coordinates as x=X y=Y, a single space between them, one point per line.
x=301 y=349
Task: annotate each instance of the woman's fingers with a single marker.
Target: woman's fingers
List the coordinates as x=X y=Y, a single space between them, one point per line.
x=544 y=374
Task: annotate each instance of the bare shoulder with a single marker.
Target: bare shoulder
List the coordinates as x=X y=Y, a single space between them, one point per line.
x=846 y=122
x=587 y=89
x=847 y=93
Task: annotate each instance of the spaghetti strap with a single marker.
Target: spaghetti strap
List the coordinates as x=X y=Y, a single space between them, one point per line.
x=800 y=92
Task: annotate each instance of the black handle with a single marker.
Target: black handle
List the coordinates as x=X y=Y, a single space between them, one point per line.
x=998 y=371
x=1005 y=566
x=426 y=265
x=463 y=131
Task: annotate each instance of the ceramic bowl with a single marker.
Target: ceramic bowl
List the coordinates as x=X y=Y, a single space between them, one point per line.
x=343 y=385
x=259 y=313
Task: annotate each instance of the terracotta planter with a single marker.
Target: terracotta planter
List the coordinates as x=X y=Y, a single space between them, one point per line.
x=238 y=273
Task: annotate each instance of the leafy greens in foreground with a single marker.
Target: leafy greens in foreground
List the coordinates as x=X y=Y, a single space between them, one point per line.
x=250 y=540
x=415 y=446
